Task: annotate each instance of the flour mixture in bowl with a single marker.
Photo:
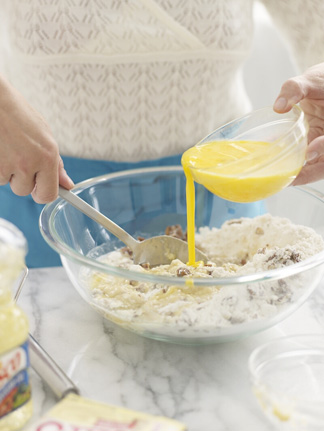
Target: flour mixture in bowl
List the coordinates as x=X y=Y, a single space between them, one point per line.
x=240 y=247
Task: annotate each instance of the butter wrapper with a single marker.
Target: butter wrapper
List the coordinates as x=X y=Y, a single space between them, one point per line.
x=75 y=413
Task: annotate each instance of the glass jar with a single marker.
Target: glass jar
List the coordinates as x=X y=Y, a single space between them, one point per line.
x=15 y=390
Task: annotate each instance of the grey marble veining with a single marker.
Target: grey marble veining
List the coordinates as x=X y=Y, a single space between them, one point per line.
x=206 y=387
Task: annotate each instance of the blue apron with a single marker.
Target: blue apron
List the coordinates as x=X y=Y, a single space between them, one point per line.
x=23 y=212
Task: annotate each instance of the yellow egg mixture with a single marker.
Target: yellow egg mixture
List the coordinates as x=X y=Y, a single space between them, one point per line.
x=239 y=171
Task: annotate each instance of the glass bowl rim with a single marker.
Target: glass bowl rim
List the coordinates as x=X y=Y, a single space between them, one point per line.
x=296 y=108
x=283 y=153
x=46 y=226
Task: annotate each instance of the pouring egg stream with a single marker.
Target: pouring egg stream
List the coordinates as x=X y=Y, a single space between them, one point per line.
x=238 y=171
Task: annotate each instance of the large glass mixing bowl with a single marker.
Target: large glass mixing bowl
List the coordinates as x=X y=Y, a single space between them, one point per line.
x=144 y=202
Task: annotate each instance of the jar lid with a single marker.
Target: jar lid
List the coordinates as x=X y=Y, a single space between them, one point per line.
x=13 y=248
x=11 y=235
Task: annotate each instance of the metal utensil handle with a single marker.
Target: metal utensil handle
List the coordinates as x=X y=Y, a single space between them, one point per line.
x=95 y=215
x=21 y=283
x=42 y=362
x=49 y=371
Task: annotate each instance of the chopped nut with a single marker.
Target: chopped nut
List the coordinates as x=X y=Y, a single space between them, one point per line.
x=126 y=250
x=140 y=289
x=181 y=272
x=234 y=221
x=133 y=282
x=295 y=257
x=271 y=257
x=286 y=257
x=140 y=238
x=282 y=283
x=145 y=265
x=263 y=249
x=251 y=292
x=175 y=231
x=259 y=231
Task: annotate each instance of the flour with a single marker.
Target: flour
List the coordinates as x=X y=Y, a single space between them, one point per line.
x=240 y=247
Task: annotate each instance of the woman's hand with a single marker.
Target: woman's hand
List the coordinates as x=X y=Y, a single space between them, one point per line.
x=29 y=155
x=308 y=89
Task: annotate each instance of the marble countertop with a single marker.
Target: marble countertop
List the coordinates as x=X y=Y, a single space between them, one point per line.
x=205 y=387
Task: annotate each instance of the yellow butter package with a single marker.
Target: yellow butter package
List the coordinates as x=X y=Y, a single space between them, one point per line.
x=75 y=413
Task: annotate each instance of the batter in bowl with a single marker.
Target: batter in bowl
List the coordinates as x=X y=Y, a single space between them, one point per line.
x=241 y=246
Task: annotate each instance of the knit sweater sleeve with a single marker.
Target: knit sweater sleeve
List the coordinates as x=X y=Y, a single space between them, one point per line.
x=301 y=23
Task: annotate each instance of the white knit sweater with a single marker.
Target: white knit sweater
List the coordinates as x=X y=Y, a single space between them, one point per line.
x=127 y=80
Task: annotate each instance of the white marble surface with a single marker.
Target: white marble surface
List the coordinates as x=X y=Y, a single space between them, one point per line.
x=206 y=387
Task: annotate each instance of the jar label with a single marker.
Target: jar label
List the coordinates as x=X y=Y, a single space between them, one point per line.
x=15 y=388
